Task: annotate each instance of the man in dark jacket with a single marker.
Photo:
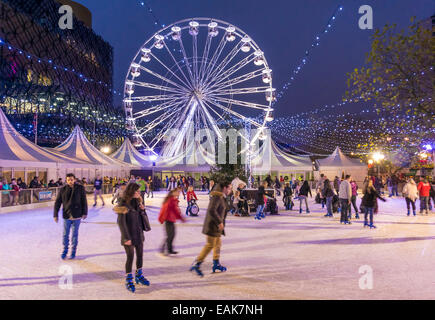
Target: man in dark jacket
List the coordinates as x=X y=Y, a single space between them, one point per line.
x=75 y=207
x=214 y=227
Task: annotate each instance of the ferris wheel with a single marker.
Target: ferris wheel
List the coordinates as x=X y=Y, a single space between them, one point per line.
x=198 y=73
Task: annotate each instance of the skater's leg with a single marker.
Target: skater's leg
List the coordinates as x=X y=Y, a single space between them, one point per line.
x=170 y=231
x=306 y=204
x=217 y=248
x=371 y=215
x=100 y=192
x=139 y=256
x=95 y=197
x=366 y=215
x=66 y=230
x=129 y=250
x=75 y=237
x=210 y=244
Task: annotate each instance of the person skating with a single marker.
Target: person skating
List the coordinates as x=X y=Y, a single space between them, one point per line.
x=320 y=186
x=169 y=214
x=214 y=228
x=260 y=197
x=150 y=187
x=328 y=194
x=190 y=196
x=354 y=187
x=288 y=195
x=72 y=197
x=410 y=192
x=131 y=224
x=303 y=196
x=119 y=193
x=98 y=190
x=369 y=202
x=345 y=196
x=424 y=191
x=142 y=187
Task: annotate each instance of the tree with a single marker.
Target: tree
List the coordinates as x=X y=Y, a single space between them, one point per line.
x=399 y=79
x=399 y=75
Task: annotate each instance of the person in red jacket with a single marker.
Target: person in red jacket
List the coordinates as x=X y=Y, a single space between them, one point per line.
x=169 y=214
x=424 y=192
x=190 y=196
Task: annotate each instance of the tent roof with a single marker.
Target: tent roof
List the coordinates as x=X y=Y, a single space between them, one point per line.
x=78 y=146
x=128 y=153
x=16 y=148
x=339 y=159
x=271 y=158
x=193 y=159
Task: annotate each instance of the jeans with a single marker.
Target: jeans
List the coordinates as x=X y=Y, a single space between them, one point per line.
x=353 y=201
x=170 y=235
x=394 y=191
x=345 y=206
x=129 y=250
x=98 y=193
x=329 y=205
x=260 y=209
x=301 y=199
x=410 y=202
x=424 y=204
x=368 y=211
x=67 y=224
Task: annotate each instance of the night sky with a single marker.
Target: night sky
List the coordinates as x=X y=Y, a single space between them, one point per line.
x=283 y=29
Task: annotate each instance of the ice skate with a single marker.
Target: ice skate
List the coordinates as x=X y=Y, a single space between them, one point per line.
x=64 y=254
x=139 y=278
x=372 y=226
x=129 y=283
x=218 y=266
x=196 y=267
x=73 y=254
x=366 y=224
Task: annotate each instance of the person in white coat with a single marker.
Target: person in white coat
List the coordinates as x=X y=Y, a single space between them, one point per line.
x=410 y=193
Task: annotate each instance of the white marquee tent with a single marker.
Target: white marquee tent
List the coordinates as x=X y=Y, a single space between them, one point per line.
x=338 y=164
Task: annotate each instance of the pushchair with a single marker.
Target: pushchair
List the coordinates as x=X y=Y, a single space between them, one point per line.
x=271 y=206
x=193 y=208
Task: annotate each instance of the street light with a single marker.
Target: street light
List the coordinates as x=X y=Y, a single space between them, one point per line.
x=377 y=157
x=106 y=150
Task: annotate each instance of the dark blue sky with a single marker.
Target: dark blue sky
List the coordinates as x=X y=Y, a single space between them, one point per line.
x=284 y=29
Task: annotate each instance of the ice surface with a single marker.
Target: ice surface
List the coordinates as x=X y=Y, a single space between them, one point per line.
x=290 y=256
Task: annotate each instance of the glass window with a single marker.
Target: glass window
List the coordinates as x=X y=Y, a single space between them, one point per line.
x=30 y=175
x=42 y=175
x=19 y=174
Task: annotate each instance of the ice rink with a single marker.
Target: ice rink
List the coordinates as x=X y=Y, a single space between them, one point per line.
x=290 y=256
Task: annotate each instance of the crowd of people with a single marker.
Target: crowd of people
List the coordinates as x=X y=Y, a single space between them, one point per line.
x=337 y=196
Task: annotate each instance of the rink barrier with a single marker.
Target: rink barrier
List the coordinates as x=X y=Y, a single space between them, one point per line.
x=27 y=199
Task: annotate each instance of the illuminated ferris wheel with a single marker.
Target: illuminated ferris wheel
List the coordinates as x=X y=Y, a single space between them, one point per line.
x=198 y=73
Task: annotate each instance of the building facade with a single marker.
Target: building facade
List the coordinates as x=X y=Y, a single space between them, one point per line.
x=52 y=78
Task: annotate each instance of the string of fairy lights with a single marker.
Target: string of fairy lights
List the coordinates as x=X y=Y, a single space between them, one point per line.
x=304 y=59
x=49 y=62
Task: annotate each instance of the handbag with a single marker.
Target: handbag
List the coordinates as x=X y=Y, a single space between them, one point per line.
x=146 y=226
